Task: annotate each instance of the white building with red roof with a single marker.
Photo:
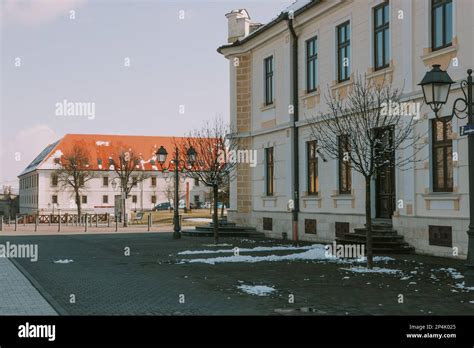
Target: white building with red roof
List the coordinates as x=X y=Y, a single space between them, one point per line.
x=41 y=193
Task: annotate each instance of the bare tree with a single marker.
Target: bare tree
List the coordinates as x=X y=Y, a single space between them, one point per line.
x=74 y=172
x=128 y=166
x=367 y=130
x=214 y=165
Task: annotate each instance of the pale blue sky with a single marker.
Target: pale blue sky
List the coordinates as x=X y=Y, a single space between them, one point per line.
x=173 y=62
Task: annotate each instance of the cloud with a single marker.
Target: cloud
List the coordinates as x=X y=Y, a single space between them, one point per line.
x=28 y=143
x=35 y=12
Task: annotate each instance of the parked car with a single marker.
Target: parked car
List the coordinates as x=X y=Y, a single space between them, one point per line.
x=207 y=205
x=162 y=206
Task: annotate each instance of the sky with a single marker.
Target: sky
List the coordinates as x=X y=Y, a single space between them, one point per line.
x=143 y=68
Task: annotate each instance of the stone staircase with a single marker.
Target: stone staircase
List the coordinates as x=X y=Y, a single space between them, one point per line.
x=385 y=240
x=226 y=229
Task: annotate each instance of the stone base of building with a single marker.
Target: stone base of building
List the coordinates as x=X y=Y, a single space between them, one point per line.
x=415 y=230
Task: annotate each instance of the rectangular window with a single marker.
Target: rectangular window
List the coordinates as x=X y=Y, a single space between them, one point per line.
x=134 y=181
x=153 y=181
x=441 y=236
x=153 y=199
x=310 y=226
x=54 y=180
x=196 y=182
x=84 y=199
x=381 y=36
x=105 y=181
x=105 y=199
x=268 y=65
x=311 y=64
x=442 y=149
x=81 y=181
x=269 y=170
x=345 y=180
x=313 y=180
x=54 y=199
x=267 y=224
x=343 y=51
x=196 y=199
x=341 y=229
x=134 y=199
x=441 y=24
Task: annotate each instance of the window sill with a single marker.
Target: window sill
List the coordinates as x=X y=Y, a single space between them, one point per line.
x=268 y=107
x=336 y=84
x=314 y=93
x=311 y=198
x=441 y=196
x=380 y=72
x=269 y=198
x=429 y=54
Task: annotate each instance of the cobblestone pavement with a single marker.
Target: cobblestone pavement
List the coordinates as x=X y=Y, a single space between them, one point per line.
x=152 y=281
x=17 y=295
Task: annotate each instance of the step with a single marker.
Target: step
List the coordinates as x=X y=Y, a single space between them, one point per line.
x=226 y=228
x=363 y=237
x=376 y=232
x=223 y=223
x=248 y=234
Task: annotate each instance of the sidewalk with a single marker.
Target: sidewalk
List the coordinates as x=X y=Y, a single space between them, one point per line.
x=45 y=229
x=17 y=295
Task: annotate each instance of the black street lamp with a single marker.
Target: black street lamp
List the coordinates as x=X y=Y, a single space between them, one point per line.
x=161 y=155
x=436 y=86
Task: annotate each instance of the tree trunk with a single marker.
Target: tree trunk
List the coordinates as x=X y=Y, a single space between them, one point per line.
x=215 y=217
x=124 y=212
x=368 y=223
x=210 y=198
x=222 y=208
x=78 y=204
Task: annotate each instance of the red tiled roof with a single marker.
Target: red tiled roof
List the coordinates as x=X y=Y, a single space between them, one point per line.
x=101 y=147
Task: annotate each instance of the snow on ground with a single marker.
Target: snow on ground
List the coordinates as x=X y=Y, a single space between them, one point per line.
x=63 y=261
x=283 y=247
x=454 y=273
x=217 y=245
x=315 y=252
x=359 y=269
x=258 y=290
x=198 y=219
x=464 y=287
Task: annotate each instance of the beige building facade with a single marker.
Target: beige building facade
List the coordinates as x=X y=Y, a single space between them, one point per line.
x=397 y=39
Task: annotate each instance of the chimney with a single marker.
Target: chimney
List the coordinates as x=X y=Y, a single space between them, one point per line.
x=238 y=24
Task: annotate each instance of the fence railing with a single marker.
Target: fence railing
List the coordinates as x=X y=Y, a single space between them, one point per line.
x=86 y=220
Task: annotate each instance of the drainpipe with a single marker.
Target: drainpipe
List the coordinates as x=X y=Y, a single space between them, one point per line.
x=294 y=97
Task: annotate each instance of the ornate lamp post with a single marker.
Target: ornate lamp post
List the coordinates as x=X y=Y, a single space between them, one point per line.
x=161 y=155
x=436 y=86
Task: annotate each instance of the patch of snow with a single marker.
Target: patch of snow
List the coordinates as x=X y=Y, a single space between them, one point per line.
x=359 y=269
x=216 y=245
x=454 y=273
x=63 y=261
x=198 y=219
x=283 y=247
x=315 y=252
x=258 y=290
x=471 y=302
x=405 y=278
x=464 y=287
